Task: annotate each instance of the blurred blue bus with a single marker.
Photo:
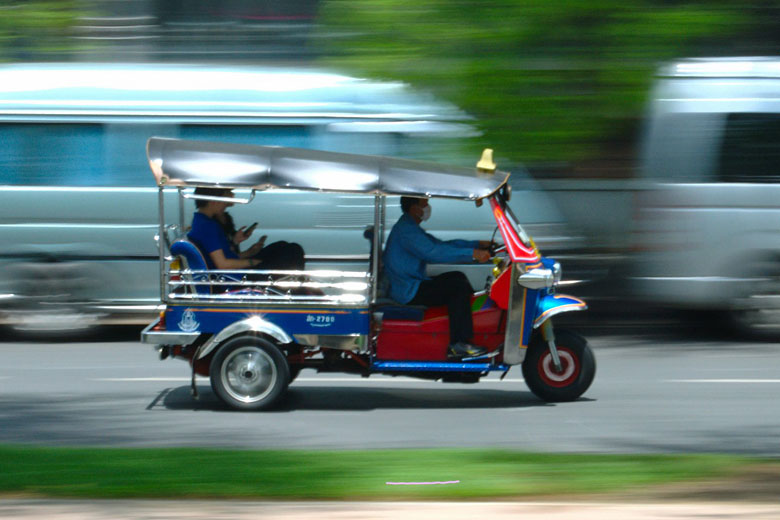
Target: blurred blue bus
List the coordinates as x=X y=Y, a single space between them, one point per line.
x=79 y=203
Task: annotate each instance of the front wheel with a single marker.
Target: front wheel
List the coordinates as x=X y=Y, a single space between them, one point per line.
x=249 y=373
x=578 y=367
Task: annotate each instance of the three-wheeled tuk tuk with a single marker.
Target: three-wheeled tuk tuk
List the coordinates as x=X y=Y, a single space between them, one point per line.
x=252 y=331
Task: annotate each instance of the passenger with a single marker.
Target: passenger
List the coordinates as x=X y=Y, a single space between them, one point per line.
x=279 y=255
x=208 y=233
x=408 y=252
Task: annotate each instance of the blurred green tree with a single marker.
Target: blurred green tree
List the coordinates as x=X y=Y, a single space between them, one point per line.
x=36 y=29
x=547 y=81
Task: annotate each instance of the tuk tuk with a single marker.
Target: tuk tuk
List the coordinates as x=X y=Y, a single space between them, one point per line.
x=253 y=331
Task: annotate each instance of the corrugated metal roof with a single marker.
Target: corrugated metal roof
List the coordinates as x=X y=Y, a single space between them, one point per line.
x=177 y=162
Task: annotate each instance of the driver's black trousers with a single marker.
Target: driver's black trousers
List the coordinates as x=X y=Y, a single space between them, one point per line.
x=453 y=290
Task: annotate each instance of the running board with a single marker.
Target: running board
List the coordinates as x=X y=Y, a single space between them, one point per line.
x=436 y=366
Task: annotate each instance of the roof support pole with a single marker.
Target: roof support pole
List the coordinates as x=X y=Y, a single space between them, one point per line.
x=379 y=202
x=181 y=211
x=162 y=243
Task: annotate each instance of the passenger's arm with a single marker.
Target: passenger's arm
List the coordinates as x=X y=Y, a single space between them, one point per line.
x=220 y=262
x=243 y=233
x=256 y=248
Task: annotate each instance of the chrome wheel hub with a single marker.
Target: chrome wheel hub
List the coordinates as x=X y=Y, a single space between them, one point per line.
x=249 y=374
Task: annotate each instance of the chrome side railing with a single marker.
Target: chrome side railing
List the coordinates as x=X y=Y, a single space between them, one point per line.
x=325 y=287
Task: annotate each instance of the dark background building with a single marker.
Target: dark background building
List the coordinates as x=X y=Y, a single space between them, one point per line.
x=195 y=30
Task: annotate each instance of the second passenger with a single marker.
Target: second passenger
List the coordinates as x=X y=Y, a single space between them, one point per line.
x=215 y=234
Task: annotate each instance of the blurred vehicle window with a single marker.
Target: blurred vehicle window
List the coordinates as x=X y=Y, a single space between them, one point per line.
x=280 y=135
x=751 y=148
x=62 y=154
x=52 y=154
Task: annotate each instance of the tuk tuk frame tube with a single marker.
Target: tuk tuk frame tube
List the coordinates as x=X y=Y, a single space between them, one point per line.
x=377 y=237
x=180 y=193
x=161 y=243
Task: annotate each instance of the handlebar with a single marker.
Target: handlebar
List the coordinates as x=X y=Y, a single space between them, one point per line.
x=497 y=249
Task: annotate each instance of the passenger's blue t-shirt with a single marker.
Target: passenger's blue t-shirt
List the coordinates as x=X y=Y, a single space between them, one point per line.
x=209 y=236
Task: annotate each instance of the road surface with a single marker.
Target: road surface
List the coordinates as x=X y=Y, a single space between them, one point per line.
x=651 y=394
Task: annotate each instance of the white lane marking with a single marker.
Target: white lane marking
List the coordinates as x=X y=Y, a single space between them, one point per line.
x=738 y=381
x=422 y=483
x=299 y=380
x=139 y=379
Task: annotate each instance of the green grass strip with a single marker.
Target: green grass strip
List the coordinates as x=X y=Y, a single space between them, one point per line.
x=359 y=475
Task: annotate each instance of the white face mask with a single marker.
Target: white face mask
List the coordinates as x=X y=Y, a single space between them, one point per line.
x=426 y=213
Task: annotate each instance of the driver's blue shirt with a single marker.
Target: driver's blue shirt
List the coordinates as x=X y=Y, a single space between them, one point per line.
x=410 y=249
x=209 y=236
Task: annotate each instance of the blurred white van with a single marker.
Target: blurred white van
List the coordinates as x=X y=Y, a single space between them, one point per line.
x=707 y=232
x=79 y=208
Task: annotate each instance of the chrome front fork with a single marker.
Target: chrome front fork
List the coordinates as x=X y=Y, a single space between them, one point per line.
x=549 y=337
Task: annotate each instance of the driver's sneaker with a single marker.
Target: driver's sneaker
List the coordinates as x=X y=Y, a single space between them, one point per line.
x=461 y=349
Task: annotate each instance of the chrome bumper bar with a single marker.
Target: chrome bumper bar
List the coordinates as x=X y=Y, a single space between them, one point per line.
x=164 y=337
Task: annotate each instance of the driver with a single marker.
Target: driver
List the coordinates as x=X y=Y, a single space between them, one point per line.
x=410 y=249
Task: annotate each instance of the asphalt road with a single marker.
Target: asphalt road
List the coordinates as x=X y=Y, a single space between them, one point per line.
x=652 y=393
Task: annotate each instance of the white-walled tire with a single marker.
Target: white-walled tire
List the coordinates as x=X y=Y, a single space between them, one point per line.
x=578 y=367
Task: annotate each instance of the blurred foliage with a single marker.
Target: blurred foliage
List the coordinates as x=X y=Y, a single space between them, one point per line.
x=546 y=81
x=31 y=29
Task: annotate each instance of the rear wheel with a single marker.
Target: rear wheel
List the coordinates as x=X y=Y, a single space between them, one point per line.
x=249 y=373
x=578 y=367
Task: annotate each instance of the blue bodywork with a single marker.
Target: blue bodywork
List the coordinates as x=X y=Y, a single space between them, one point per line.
x=548 y=305
x=327 y=321
x=436 y=366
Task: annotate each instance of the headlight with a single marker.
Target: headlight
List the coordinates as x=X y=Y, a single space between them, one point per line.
x=536 y=279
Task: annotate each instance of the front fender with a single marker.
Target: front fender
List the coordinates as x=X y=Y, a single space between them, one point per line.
x=253 y=324
x=551 y=304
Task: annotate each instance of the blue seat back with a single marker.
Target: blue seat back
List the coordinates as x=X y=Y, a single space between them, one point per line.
x=395 y=311
x=192 y=258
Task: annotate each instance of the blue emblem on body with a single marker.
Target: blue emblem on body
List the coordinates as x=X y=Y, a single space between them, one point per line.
x=208 y=319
